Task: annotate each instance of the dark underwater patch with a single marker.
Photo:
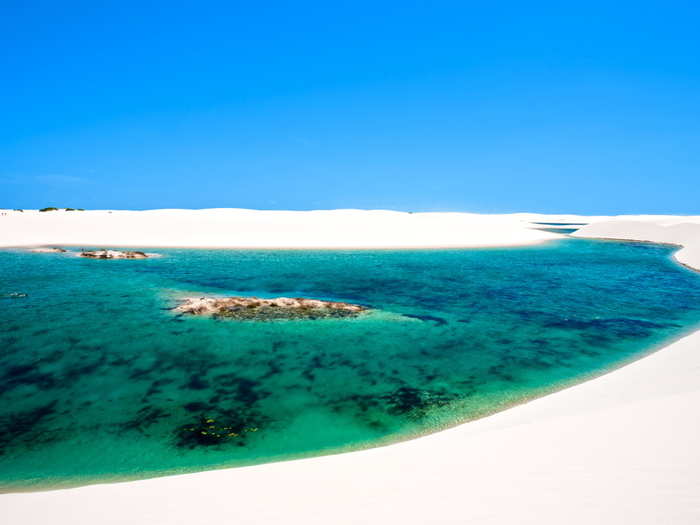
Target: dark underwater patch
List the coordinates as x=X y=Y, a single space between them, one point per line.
x=439 y=321
x=219 y=428
x=240 y=389
x=197 y=406
x=77 y=371
x=19 y=427
x=416 y=402
x=19 y=375
x=145 y=417
x=196 y=382
x=615 y=327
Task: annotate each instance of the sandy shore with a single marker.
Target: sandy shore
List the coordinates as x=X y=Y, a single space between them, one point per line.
x=621 y=448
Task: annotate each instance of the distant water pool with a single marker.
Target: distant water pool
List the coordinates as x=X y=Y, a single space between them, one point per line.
x=563 y=231
x=99 y=381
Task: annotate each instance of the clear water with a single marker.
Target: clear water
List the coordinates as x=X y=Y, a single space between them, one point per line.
x=100 y=381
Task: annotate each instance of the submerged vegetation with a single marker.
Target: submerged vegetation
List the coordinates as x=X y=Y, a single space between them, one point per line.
x=230 y=426
x=417 y=402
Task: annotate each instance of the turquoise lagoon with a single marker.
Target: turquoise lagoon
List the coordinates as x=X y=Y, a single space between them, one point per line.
x=100 y=381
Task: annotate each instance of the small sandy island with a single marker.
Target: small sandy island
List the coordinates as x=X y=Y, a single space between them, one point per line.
x=257 y=309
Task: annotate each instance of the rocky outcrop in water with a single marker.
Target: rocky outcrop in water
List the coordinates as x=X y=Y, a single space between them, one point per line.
x=47 y=249
x=257 y=309
x=114 y=254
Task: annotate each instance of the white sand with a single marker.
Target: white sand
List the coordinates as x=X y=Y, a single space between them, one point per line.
x=622 y=448
x=235 y=228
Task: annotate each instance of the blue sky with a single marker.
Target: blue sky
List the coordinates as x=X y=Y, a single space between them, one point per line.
x=582 y=107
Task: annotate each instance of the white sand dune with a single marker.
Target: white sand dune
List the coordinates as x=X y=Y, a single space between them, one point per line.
x=236 y=228
x=621 y=448
x=683 y=231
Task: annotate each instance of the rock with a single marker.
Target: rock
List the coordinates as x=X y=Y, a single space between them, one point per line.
x=47 y=249
x=257 y=309
x=114 y=254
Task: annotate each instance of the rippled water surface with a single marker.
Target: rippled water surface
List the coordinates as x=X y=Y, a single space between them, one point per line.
x=100 y=381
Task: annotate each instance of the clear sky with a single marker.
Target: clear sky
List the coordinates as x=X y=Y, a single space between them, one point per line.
x=585 y=107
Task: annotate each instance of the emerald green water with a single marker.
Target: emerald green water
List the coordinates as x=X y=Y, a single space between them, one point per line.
x=100 y=381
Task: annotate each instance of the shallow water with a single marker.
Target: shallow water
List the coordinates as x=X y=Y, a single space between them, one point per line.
x=100 y=381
